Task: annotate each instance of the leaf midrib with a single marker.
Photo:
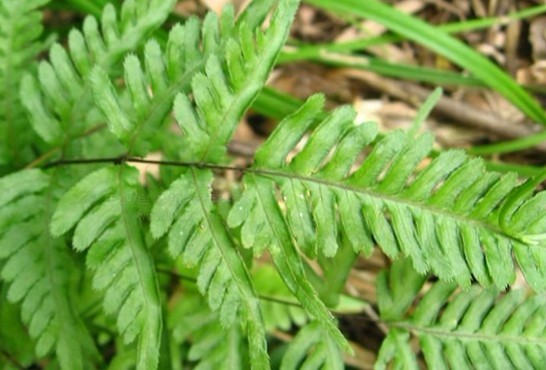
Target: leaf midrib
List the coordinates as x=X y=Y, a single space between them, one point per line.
x=470 y=336
x=438 y=212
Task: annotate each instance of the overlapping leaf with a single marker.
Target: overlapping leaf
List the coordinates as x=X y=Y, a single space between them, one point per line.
x=226 y=89
x=38 y=269
x=280 y=310
x=222 y=63
x=452 y=217
x=475 y=328
x=20 y=27
x=166 y=73
x=103 y=209
x=185 y=211
x=263 y=226
x=312 y=348
x=197 y=234
x=212 y=345
x=60 y=99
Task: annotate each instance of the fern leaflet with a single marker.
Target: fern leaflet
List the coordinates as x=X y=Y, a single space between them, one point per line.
x=476 y=328
x=312 y=348
x=277 y=315
x=226 y=90
x=18 y=48
x=212 y=345
x=60 y=99
x=197 y=233
x=14 y=338
x=166 y=73
x=102 y=208
x=452 y=217
x=38 y=269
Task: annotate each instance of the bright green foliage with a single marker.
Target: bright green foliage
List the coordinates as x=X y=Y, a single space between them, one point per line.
x=20 y=28
x=196 y=231
x=452 y=217
x=38 y=270
x=198 y=235
x=166 y=73
x=312 y=348
x=102 y=208
x=13 y=336
x=266 y=227
x=277 y=315
x=315 y=198
x=59 y=101
x=212 y=346
x=227 y=88
x=471 y=329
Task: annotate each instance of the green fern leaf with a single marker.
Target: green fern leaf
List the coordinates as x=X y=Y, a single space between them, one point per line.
x=198 y=235
x=224 y=76
x=452 y=217
x=38 y=270
x=21 y=27
x=278 y=313
x=226 y=88
x=475 y=328
x=196 y=231
x=102 y=208
x=166 y=73
x=212 y=345
x=312 y=349
x=14 y=338
x=264 y=226
x=59 y=100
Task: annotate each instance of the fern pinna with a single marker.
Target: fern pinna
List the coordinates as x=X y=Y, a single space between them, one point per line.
x=59 y=101
x=88 y=250
x=19 y=46
x=452 y=217
x=458 y=329
x=39 y=270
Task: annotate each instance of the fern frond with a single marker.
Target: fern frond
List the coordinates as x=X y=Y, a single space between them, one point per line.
x=475 y=328
x=311 y=349
x=264 y=227
x=227 y=87
x=452 y=217
x=21 y=27
x=60 y=99
x=102 y=208
x=212 y=345
x=198 y=235
x=224 y=76
x=196 y=231
x=166 y=73
x=39 y=269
